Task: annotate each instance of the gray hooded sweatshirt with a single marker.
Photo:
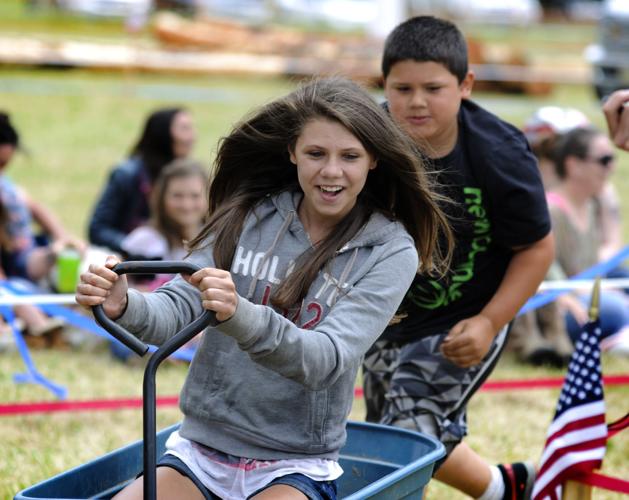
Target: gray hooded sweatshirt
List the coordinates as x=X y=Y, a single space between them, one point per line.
x=275 y=384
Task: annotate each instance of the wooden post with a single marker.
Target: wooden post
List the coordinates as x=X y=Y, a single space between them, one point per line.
x=576 y=491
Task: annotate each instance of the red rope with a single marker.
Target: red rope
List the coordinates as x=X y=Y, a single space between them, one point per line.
x=537 y=383
x=114 y=404
x=617 y=425
x=604 y=482
x=86 y=405
x=545 y=383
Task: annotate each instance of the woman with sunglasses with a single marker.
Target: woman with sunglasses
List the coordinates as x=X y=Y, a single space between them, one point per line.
x=584 y=161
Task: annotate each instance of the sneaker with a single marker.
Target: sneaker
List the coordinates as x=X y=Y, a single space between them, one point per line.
x=50 y=334
x=518 y=478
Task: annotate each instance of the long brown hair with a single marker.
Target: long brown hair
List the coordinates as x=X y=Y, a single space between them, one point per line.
x=253 y=162
x=155 y=145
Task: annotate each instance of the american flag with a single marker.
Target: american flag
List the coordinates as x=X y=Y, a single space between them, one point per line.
x=575 y=442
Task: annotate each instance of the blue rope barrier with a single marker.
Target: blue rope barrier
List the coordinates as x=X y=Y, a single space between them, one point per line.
x=22 y=287
x=543 y=298
x=32 y=375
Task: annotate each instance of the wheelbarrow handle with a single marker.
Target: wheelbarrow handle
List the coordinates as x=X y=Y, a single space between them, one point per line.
x=139 y=267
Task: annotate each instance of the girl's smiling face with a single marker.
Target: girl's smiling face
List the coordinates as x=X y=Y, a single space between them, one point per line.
x=332 y=167
x=185 y=201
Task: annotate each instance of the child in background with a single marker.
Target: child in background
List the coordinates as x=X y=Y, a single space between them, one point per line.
x=124 y=203
x=178 y=207
x=422 y=372
x=22 y=255
x=317 y=208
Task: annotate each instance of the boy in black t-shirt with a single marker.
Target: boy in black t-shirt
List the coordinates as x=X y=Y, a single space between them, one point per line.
x=422 y=372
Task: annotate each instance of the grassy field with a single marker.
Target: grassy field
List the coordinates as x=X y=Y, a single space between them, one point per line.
x=76 y=125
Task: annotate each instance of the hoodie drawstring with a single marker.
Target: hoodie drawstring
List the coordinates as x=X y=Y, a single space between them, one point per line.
x=267 y=254
x=344 y=275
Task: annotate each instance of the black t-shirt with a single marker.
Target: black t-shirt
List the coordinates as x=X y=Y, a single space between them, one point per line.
x=498 y=203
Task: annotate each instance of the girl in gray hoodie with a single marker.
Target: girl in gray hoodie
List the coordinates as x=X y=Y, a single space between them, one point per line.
x=319 y=208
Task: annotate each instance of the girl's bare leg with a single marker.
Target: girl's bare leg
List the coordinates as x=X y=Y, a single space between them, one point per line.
x=170 y=485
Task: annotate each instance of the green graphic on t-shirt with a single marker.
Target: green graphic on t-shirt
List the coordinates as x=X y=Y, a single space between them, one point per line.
x=431 y=294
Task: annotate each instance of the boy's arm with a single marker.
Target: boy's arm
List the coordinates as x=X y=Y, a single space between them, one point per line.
x=469 y=340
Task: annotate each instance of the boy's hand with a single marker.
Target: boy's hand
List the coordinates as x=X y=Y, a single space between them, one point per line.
x=218 y=291
x=468 y=341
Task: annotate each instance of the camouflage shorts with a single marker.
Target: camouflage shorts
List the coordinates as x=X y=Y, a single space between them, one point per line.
x=413 y=386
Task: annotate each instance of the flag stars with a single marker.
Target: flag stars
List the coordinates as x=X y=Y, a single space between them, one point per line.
x=579 y=406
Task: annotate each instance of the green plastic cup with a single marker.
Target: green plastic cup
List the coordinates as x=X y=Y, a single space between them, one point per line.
x=68 y=264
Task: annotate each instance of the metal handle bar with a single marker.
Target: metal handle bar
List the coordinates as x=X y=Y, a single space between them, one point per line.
x=165 y=350
x=139 y=267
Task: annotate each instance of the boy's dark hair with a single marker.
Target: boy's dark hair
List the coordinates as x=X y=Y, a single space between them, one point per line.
x=426 y=39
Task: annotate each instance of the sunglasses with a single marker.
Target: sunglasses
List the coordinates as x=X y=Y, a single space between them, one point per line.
x=604 y=161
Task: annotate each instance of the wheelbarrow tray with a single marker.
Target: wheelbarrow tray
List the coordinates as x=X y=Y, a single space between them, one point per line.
x=379 y=462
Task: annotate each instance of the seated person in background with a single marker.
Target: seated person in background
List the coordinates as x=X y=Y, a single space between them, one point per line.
x=543 y=130
x=584 y=162
x=539 y=337
x=22 y=254
x=178 y=209
x=124 y=202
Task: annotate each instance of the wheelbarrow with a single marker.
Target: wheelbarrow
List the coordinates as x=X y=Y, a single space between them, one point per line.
x=379 y=462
